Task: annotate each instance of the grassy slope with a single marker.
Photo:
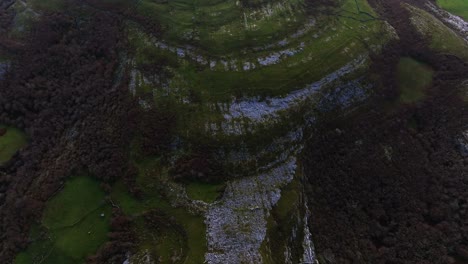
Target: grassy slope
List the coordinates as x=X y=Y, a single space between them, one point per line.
x=72 y=223
x=148 y=180
x=457 y=7
x=332 y=43
x=217 y=25
x=282 y=223
x=413 y=78
x=165 y=242
x=443 y=39
x=59 y=213
x=12 y=141
x=220 y=26
x=343 y=40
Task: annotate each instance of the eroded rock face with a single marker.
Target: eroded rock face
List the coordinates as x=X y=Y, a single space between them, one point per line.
x=261 y=111
x=236 y=225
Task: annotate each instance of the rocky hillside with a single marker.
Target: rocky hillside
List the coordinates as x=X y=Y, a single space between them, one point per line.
x=213 y=131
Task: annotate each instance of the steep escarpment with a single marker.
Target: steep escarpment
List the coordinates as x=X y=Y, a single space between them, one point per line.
x=388 y=183
x=390 y=188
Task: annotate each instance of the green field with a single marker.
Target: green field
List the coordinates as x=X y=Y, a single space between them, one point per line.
x=204 y=191
x=74 y=225
x=13 y=140
x=413 y=78
x=457 y=7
